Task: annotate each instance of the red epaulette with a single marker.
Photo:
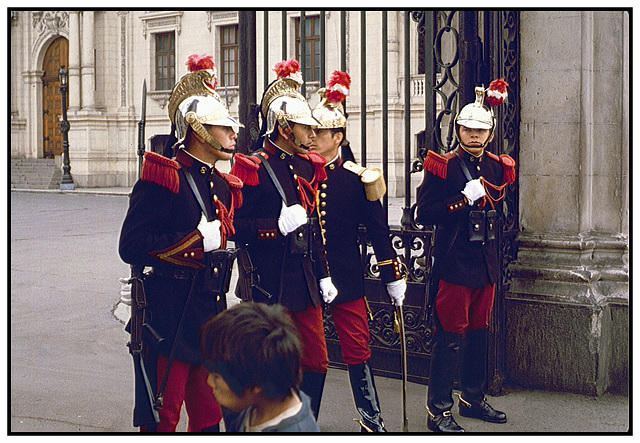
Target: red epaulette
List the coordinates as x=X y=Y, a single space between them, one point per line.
x=318 y=161
x=235 y=187
x=160 y=170
x=437 y=164
x=508 y=166
x=246 y=169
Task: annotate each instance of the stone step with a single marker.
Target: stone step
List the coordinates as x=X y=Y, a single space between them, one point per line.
x=35 y=173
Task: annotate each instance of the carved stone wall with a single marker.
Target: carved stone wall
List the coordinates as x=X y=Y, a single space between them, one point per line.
x=568 y=305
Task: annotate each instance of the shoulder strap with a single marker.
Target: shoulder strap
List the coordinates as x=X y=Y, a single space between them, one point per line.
x=275 y=180
x=194 y=188
x=464 y=168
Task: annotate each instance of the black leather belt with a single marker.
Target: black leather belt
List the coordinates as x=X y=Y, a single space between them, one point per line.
x=180 y=274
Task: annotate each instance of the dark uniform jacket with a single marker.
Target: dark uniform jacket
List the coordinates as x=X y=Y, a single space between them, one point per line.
x=343 y=208
x=160 y=231
x=285 y=278
x=441 y=203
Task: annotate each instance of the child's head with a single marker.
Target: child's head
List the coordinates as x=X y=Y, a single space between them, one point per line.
x=253 y=348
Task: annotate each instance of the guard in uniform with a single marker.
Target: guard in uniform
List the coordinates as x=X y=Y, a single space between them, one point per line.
x=278 y=223
x=460 y=194
x=350 y=198
x=179 y=219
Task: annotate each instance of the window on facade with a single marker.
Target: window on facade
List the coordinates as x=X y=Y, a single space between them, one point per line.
x=312 y=48
x=165 y=61
x=229 y=51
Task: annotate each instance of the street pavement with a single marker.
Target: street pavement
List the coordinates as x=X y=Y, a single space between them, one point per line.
x=70 y=370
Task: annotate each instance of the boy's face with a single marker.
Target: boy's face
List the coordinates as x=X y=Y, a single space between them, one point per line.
x=226 y=397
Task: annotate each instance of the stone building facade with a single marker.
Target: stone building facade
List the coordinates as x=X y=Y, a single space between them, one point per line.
x=567 y=309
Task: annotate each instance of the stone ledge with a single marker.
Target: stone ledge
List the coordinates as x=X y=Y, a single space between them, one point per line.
x=567 y=323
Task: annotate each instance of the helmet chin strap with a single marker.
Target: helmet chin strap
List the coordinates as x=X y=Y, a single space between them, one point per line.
x=288 y=130
x=484 y=145
x=197 y=127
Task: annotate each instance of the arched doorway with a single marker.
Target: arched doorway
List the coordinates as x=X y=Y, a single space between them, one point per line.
x=57 y=55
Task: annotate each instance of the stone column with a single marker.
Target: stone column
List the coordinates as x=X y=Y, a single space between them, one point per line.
x=88 y=61
x=74 y=61
x=567 y=308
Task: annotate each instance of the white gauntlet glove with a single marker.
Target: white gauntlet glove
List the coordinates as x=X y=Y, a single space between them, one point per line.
x=474 y=191
x=396 y=290
x=125 y=290
x=210 y=230
x=291 y=218
x=327 y=290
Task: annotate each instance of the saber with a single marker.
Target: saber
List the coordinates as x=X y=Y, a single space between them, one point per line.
x=399 y=328
x=141 y=125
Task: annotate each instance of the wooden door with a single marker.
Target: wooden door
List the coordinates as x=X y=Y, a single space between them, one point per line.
x=57 y=55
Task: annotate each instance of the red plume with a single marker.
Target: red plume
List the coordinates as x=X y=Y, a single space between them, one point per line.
x=197 y=62
x=286 y=67
x=338 y=86
x=497 y=92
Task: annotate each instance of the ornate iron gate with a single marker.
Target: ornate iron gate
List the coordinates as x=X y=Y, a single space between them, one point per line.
x=457 y=50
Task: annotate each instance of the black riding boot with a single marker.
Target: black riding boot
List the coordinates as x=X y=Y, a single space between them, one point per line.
x=444 y=357
x=313 y=385
x=366 y=397
x=473 y=375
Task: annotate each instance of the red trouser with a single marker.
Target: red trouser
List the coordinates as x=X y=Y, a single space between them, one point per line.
x=350 y=320
x=461 y=309
x=311 y=331
x=187 y=383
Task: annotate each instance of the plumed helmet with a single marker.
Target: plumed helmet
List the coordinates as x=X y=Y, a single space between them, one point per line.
x=329 y=112
x=478 y=116
x=281 y=101
x=194 y=101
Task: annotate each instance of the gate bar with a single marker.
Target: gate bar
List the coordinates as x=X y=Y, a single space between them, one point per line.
x=407 y=108
x=284 y=35
x=265 y=48
x=246 y=77
x=322 y=49
x=343 y=41
x=363 y=88
x=385 y=112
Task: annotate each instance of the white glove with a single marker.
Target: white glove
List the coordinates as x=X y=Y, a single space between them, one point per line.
x=210 y=230
x=396 y=290
x=125 y=290
x=291 y=217
x=327 y=290
x=474 y=191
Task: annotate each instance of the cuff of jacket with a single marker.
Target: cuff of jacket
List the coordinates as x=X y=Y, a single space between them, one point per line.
x=184 y=253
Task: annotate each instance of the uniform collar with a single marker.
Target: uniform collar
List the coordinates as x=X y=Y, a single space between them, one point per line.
x=188 y=160
x=467 y=157
x=276 y=150
x=335 y=162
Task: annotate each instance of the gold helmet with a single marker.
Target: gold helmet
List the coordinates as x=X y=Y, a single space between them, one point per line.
x=478 y=116
x=194 y=101
x=281 y=101
x=329 y=112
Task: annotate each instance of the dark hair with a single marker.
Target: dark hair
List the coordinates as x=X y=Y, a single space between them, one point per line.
x=253 y=344
x=344 y=141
